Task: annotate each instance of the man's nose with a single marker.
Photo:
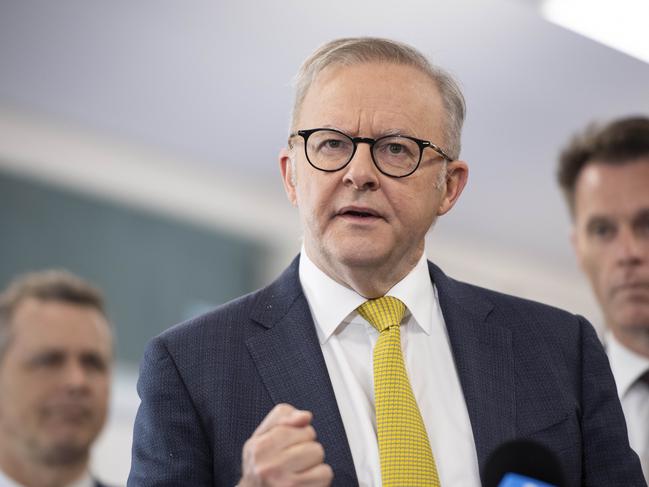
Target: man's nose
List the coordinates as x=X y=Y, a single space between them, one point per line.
x=629 y=247
x=75 y=376
x=361 y=173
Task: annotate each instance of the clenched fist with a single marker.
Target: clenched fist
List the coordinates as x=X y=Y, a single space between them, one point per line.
x=283 y=451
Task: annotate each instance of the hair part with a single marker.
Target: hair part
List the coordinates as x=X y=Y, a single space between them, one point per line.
x=49 y=285
x=361 y=50
x=616 y=143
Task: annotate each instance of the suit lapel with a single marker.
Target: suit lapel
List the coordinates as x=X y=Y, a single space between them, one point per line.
x=484 y=359
x=289 y=360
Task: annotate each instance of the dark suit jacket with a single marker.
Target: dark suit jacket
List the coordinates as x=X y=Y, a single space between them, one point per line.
x=527 y=371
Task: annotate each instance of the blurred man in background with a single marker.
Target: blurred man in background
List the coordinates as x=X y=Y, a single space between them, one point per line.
x=604 y=174
x=56 y=353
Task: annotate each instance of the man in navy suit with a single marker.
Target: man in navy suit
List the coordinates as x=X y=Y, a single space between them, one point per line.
x=276 y=388
x=604 y=174
x=56 y=353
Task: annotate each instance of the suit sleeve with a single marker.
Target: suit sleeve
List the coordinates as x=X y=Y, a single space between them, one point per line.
x=170 y=447
x=608 y=458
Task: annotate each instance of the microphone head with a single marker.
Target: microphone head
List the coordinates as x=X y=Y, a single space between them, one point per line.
x=524 y=457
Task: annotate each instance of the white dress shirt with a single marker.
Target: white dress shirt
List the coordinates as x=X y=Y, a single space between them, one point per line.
x=347 y=342
x=84 y=481
x=627 y=367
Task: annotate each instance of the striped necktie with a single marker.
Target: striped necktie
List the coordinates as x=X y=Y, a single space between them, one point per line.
x=404 y=449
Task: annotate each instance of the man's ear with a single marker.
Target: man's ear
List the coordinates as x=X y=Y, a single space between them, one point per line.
x=289 y=178
x=457 y=175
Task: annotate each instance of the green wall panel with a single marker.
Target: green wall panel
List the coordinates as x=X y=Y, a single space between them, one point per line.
x=154 y=271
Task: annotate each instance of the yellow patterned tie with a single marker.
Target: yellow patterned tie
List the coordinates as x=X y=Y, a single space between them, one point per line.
x=404 y=449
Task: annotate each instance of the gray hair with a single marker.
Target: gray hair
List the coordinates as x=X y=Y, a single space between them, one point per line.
x=49 y=285
x=360 y=50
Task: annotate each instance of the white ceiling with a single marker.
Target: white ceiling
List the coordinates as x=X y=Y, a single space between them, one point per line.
x=208 y=82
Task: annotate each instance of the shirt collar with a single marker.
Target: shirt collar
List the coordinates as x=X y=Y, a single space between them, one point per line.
x=332 y=303
x=626 y=365
x=6 y=481
x=85 y=481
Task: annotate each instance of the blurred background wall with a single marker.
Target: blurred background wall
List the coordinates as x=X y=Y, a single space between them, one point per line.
x=138 y=144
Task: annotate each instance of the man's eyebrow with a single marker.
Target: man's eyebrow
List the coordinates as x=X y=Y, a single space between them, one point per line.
x=95 y=358
x=598 y=219
x=643 y=213
x=45 y=354
x=377 y=134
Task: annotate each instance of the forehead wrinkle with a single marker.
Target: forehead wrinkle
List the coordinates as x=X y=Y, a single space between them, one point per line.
x=375 y=124
x=374 y=110
x=384 y=123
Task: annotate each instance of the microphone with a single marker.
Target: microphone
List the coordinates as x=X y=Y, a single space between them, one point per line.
x=523 y=463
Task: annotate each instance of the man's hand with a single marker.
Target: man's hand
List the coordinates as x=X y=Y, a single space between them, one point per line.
x=283 y=451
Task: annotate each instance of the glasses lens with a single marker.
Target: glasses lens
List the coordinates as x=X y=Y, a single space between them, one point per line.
x=329 y=150
x=396 y=156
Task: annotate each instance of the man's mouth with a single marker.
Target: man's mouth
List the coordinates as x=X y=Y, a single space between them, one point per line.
x=636 y=287
x=68 y=412
x=358 y=212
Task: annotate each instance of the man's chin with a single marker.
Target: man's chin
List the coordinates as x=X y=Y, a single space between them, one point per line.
x=58 y=454
x=65 y=450
x=635 y=324
x=632 y=330
x=632 y=315
x=361 y=257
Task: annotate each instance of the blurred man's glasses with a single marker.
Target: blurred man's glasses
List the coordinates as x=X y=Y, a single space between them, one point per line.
x=397 y=156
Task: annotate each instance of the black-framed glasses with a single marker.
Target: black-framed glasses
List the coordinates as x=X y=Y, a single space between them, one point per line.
x=397 y=156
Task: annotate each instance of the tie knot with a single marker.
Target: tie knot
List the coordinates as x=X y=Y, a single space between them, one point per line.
x=382 y=313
